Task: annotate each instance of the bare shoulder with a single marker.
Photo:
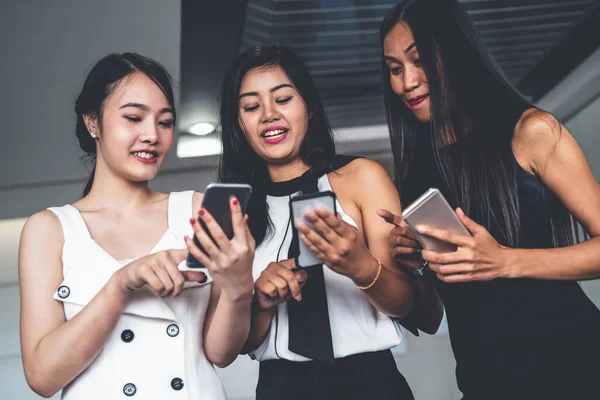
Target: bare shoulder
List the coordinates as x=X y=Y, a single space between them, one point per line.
x=537 y=125
x=363 y=170
x=44 y=223
x=41 y=234
x=536 y=136
x=365 y=181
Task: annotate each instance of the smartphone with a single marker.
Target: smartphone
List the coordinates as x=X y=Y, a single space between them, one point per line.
x=299 y=206
x=433 y=210
x=216 y=202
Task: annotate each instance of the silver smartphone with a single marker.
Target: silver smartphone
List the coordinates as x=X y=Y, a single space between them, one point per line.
x=433 y=210
x=299 y=206
x=216 y=202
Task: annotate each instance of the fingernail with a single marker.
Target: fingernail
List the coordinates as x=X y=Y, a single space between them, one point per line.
x=186 y=238
x=299 y=298
x=202 y=212
x=192 y=221
x=235 y=202
x=421 y=229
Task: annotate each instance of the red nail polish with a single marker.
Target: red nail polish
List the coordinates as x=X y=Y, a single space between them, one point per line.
x=201 y=212
x=235 y=202
x=192 y=221
x=186 y=238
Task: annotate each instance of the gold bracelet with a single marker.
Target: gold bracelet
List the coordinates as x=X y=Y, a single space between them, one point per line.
x=374 y=280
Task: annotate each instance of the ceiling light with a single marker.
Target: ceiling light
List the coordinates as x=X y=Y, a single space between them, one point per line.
x=189 y=146
x=202 y=129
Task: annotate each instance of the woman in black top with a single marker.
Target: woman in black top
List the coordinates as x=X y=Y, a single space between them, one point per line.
x=520 y=325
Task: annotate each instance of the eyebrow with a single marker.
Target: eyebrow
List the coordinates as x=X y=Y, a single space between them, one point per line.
x=273 y=89
x=144 y=107
x=409 y=48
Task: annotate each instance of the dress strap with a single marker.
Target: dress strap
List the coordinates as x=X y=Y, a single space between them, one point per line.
x=72 y=222
x=180 y=212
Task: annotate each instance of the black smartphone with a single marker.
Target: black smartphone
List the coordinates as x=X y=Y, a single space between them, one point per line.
x=216 y=202
x=299 y=206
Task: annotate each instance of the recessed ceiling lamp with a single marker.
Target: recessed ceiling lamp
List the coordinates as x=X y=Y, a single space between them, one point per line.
x=202 y=129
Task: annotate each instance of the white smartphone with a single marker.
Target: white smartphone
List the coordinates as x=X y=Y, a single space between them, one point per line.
x=299 y=206
x=433 y=210
x=216 y=202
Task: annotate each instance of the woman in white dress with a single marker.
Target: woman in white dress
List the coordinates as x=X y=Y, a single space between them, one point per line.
x=108 y=309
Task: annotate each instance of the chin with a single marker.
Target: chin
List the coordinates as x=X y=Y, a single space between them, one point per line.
x=141 y=176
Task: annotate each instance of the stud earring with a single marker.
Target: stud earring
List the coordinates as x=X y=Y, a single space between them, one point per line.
x=93 y=134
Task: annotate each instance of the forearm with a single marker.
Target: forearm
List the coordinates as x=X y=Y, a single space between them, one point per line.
x=577 y=262
x=428 y=308
x=64 y=353
x=229 y=329
x=392 y=293
x=259 y=328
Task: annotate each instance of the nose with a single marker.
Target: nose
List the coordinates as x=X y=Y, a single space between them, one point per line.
x=269 y=112
x=150 y=134
x=411 y=80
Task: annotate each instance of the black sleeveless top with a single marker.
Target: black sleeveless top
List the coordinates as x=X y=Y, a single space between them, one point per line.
x=484 y=315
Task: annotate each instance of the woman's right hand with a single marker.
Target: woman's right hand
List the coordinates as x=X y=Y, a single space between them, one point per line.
x=278 y=283
x=159 y=271
x=404 y=247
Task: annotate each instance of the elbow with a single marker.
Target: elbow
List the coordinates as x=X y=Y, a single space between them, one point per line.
x=403 y=308
x=40 y=384
x=430 y=329
x=223 y=360
x=433 y=324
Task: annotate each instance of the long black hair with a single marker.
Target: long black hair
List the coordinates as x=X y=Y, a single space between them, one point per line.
x=469 y=97
x=102 y=79
x=239 y=163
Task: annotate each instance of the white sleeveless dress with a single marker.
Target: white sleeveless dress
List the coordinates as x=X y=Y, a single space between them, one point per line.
x=156 y=349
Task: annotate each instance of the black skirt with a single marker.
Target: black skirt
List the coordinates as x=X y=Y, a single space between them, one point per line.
x=546 y=367
x=371 y=376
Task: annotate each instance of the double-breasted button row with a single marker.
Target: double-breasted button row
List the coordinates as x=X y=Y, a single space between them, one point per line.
x=127 y=335
x=129 y=389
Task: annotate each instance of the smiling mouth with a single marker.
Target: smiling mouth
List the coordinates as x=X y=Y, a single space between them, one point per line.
x=417 y=100
x=274 y=133
x=143 y=154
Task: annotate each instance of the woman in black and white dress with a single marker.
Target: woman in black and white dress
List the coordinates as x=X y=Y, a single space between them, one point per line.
x=276 y=137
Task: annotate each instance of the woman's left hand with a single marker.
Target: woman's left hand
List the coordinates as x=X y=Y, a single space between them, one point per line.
x=229 y=262
x=477 y=258
x=337 y=244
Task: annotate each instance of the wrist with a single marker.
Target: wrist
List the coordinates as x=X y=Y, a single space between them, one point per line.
x=239 y=295
x=368 y=272
x=512 y=259
x=116 y=291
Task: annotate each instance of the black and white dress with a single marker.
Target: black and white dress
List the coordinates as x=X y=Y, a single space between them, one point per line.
x=361 y=335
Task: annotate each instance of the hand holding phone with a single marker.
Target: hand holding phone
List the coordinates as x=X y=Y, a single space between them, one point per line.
x=433 y=210
x=216 y=202
x=227 y=261
x=334 y=242
x=299 y=206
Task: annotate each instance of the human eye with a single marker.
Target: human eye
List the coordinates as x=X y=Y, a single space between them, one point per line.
x=284 y=100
